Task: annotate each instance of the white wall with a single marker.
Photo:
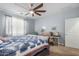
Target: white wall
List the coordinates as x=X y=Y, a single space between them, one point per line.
x=2 y=27
x=30 y=25
x=49 y=22
x=57 y=20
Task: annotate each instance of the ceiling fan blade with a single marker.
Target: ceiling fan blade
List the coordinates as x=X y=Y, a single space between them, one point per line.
x=39 y=6
x=37 y=13
x=33 y=14
x=31 y=4
x=40 y=10
x=26 y=13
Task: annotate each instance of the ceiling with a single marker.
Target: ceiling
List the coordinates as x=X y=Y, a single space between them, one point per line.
x=20 y=8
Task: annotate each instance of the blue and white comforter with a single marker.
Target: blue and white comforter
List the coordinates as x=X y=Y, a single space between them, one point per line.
x=21 y=43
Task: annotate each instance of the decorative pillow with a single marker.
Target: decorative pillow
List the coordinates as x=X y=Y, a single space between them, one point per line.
x=43 y=37
x=1 y=41
x=45 y=34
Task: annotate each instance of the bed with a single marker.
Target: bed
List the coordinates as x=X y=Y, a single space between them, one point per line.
x=27 y=45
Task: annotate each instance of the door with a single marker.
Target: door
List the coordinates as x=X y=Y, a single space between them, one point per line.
x=72 y=32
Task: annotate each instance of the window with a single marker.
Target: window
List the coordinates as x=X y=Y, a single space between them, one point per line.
x=14 y=26
x=8 y=25
x=17 y=26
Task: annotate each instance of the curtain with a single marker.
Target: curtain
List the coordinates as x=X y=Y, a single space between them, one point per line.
x=8 y=22
x=15 y=26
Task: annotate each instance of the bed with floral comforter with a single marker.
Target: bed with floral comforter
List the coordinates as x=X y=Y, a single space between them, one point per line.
x=20 y=45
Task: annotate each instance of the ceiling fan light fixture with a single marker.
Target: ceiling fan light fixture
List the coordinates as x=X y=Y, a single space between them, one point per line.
x=31 y=12
x=36 y=11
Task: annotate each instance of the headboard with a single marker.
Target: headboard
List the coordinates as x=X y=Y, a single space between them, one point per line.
x=46 y=34
x=50 y=34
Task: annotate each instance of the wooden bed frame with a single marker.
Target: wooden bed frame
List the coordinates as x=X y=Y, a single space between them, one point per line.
x=39 y=51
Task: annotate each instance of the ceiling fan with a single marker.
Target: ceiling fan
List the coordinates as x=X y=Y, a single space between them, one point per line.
x=36 y=10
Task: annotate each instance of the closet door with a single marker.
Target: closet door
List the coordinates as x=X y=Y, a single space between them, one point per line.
x=72 y=32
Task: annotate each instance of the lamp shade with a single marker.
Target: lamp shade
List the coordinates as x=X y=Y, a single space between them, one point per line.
x=43 y=27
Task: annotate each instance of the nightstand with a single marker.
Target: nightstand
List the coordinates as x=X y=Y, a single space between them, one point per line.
x=54 y=39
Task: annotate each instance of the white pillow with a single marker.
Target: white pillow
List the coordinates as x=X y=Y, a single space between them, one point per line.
x=43 y=37
x=1 y=41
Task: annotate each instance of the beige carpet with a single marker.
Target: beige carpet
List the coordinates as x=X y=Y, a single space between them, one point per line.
x=63 y=51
